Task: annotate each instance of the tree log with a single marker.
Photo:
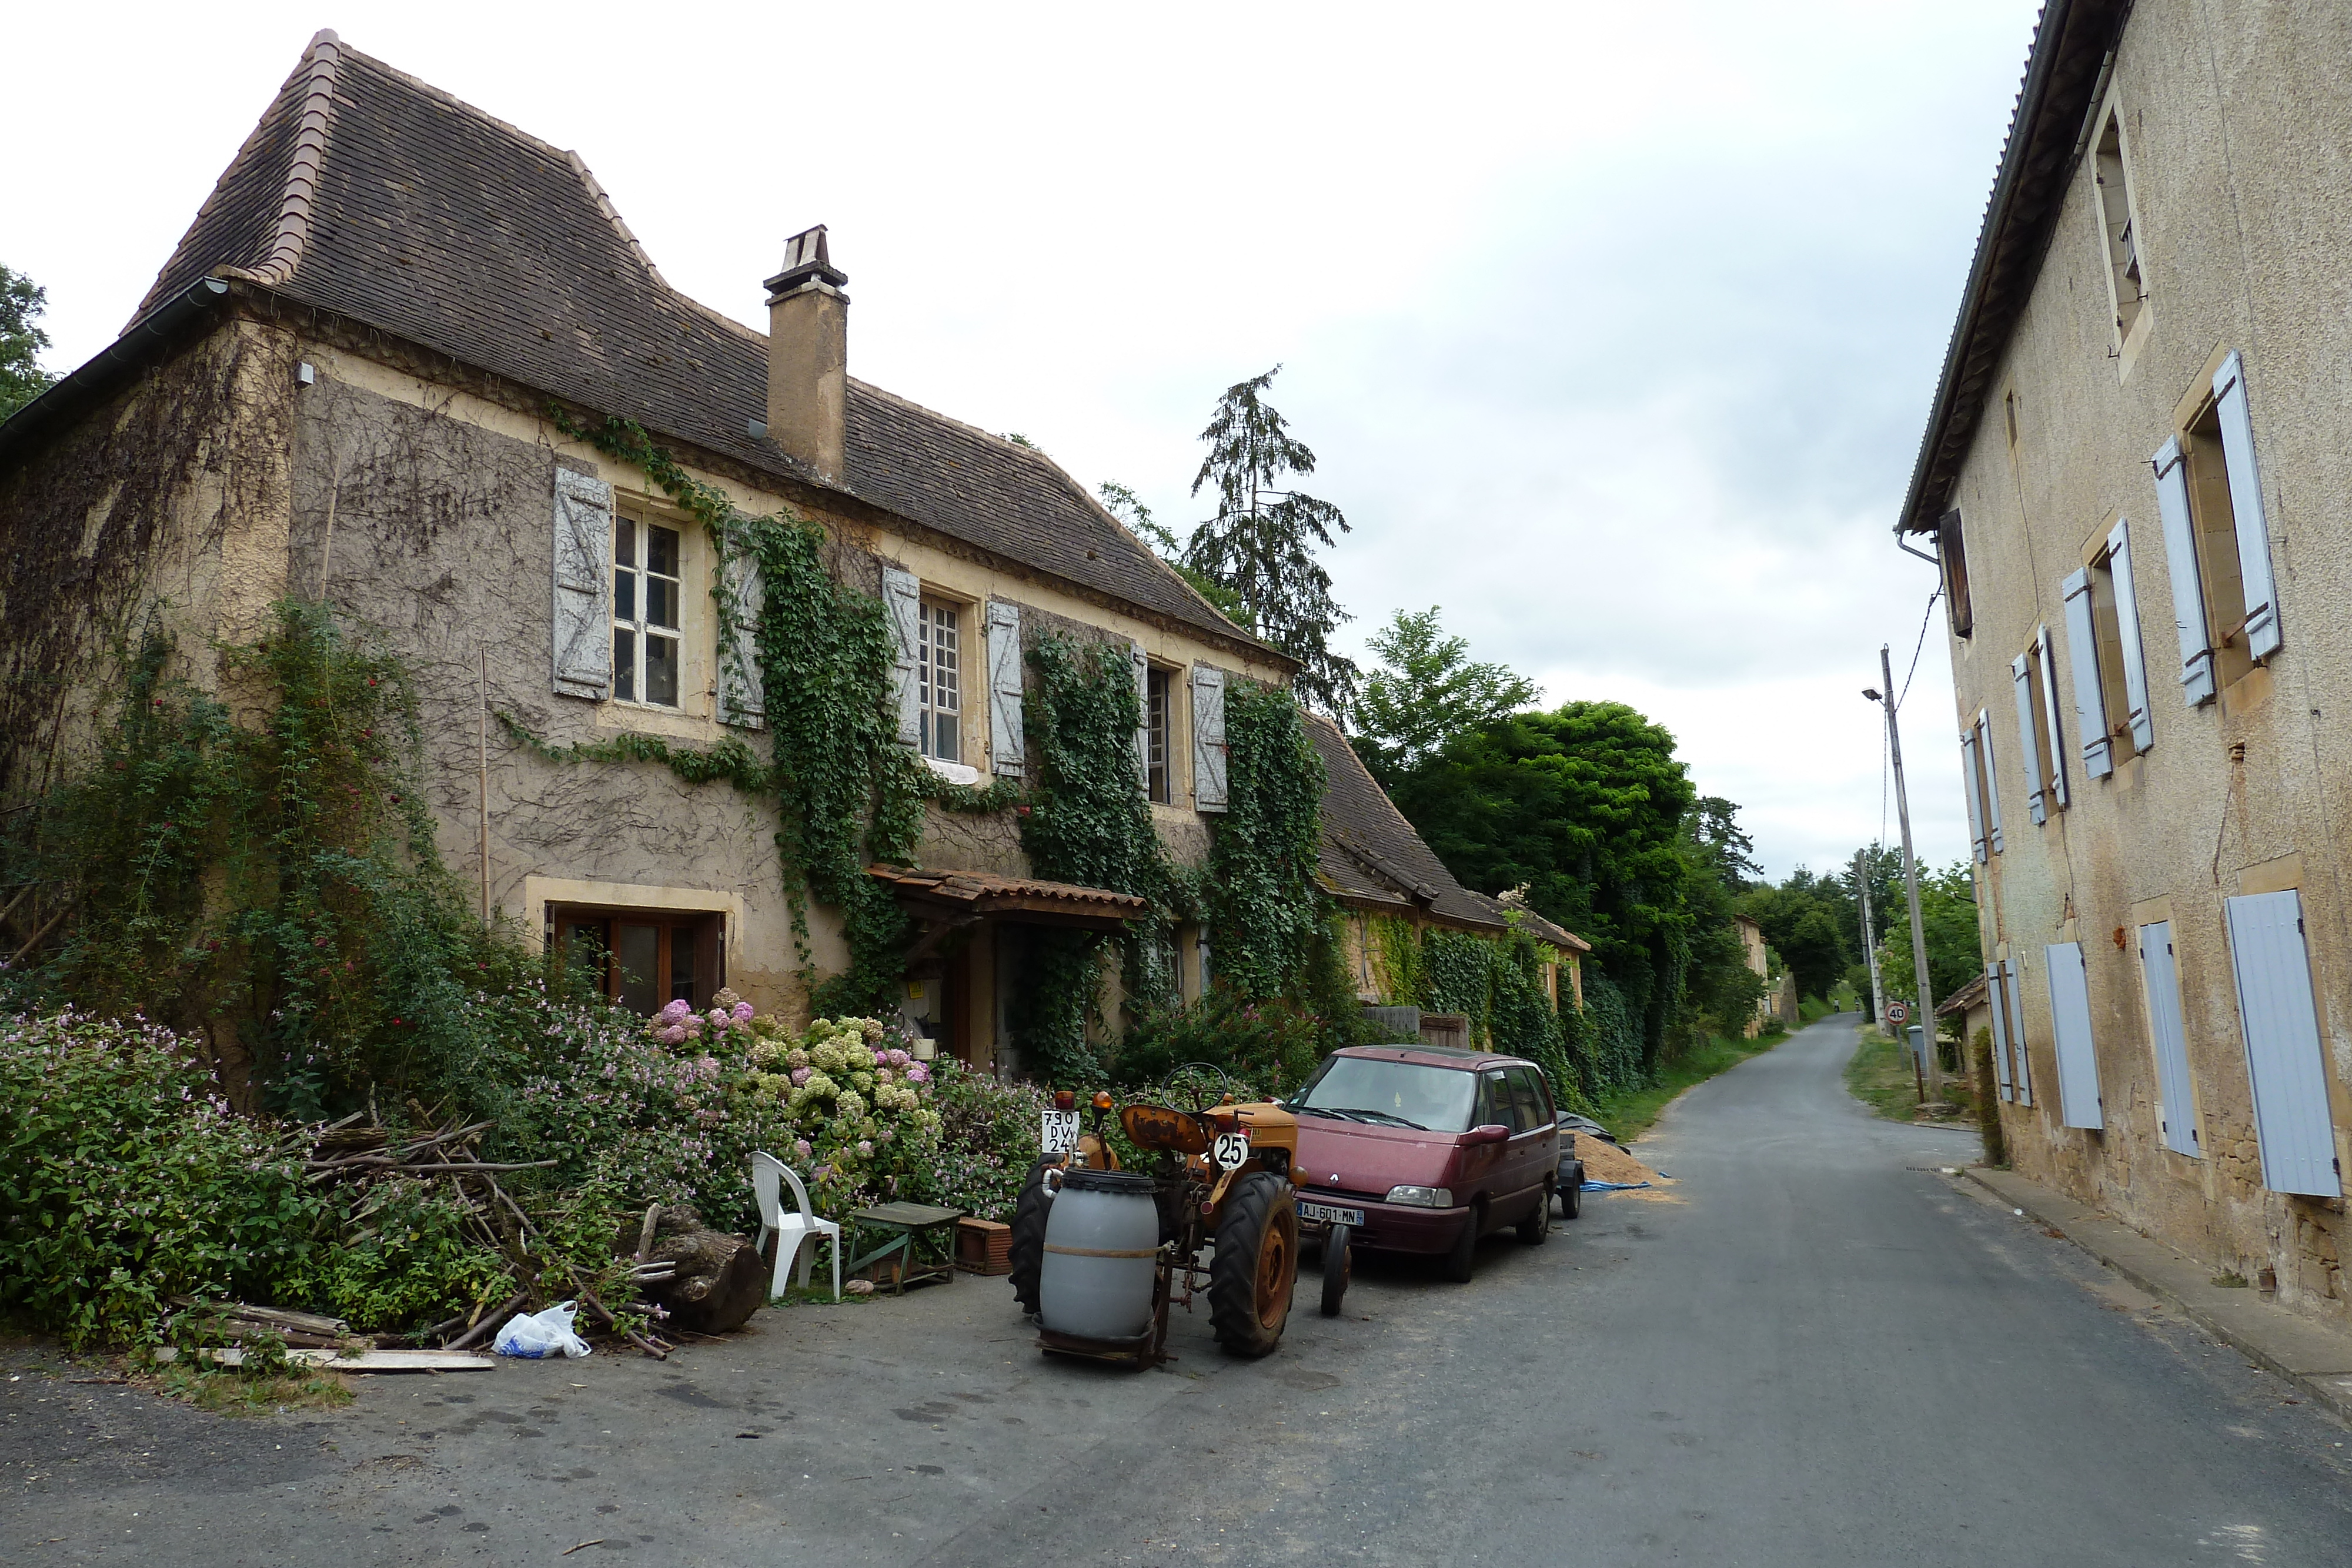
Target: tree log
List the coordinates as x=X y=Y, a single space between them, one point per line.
x=719 y=1280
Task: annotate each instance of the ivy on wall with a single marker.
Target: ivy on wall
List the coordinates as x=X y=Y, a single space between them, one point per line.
x=1497 y=983
x=1266 y=911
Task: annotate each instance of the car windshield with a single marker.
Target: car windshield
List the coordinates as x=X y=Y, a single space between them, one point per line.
x=1434 y=1099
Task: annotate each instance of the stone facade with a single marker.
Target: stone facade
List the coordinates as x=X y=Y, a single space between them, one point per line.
x=2182 y=271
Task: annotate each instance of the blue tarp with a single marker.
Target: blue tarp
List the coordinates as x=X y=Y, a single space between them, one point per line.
x=1613 y=1185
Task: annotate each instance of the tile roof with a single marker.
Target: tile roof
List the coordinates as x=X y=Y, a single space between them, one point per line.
x=1371 y=854
x=985 y=892
x=369 y=194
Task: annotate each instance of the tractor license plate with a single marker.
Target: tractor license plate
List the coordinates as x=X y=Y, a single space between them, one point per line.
x=1059 y=1135
x=1328 y=1215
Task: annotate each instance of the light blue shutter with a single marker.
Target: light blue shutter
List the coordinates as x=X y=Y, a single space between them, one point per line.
x=2017 y=1033
x=1142 y=716
x=2282 y=1049
x=2029 y=755
x=2176 y=1107
x=2045 y=660
x=1207 y=749
x=2188 y=586
x=1976 y=801
x=2083 y=653
x=2119 y=567
x=2069 y=1030
x=2246 y=504
x=902 y=598
x=1999 y=1031
x=1005 y=746
x=742 y=596
x=1991 y=781
x=583 y=585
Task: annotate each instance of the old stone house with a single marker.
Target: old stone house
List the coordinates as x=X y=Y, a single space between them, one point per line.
x=343 y=387
x=1758 y=957
x=1385 y=880
x=2135 y=477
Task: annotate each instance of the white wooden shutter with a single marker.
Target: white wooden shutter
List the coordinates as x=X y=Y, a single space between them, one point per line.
x=1142 y=716
x=2070 y=1029
x=2083 y=653
x=2000 y=1010
x=583 y=585
x=2176 y=1105
x=2283 y=1049
x=2246 y=504
x=2188 y=586
x=2119 y=567
x=1976 y=801
x=2029 y=754
x=902 y=597
x=1991 y=781
x=1208 y=742
x=743 y=691
x=2017 y=1032
x=1005 y=741
x=2047 y=660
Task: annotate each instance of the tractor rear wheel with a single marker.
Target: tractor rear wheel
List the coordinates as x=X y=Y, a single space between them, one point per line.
x=1029 y=1235
x=1256 y=1264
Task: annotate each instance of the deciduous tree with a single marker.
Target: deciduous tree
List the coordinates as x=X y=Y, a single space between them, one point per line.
x=1426 y=691
x=21 y=341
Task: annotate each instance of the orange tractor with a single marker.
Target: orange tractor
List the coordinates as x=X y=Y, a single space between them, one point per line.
x=1099 y=1252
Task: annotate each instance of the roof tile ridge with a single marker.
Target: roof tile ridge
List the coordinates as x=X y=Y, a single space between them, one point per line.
x=603 y=201
x=1082 y=493
x=320 y=66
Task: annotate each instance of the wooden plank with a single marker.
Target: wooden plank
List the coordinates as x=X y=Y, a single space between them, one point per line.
x=362 y=1361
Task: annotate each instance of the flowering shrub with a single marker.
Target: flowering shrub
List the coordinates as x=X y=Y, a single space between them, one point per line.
x=125 y=1179
x=988 y=1141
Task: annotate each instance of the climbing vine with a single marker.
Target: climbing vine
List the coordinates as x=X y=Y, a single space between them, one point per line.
x=1265 y=910
x=274 y=886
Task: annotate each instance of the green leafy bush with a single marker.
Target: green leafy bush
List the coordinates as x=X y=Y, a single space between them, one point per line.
x=125 y=1179
x=1274 y=1044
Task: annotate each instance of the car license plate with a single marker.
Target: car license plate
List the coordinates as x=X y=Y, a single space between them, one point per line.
x=1328 y=1214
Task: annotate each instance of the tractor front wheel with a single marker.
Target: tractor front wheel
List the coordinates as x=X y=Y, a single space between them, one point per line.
x=1256 y=1264
x=1028 y=1249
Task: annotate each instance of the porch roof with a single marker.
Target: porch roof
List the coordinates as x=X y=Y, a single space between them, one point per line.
x=963 y=897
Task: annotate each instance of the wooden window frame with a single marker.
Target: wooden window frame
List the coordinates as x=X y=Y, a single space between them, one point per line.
x=706 y=929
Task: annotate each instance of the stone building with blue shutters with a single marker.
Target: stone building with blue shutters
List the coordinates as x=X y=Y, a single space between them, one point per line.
x=340 y=387
x=2136 y=480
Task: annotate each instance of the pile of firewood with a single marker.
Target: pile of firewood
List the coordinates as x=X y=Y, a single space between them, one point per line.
x=685 y=1276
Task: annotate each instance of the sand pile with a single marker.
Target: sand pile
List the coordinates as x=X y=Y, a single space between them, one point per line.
x=1607 y=1161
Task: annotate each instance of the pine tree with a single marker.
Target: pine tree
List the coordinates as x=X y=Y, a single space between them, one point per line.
x=1260 y=544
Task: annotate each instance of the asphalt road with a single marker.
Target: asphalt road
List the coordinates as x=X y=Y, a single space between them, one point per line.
x=1812 y=1350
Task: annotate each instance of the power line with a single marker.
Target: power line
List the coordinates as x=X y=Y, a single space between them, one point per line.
x=1919 y=647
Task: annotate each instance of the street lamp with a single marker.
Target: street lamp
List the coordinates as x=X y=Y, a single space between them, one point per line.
x=1927 y=1064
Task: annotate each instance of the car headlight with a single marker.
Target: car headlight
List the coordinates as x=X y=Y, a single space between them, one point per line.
x=1422 y=1197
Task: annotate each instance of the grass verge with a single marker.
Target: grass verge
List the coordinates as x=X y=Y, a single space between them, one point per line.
x=1881 y=1077
x=1630 y=1113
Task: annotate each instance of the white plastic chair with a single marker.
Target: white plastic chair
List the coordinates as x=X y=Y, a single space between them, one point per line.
x=767 y=1175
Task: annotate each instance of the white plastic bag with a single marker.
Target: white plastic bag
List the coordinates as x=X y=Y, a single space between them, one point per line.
x=534 y=1336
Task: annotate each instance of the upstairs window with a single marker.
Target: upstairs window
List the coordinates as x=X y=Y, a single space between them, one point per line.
x=2038 y=735
x=2112 y=719
x=2217 y=539
x=938 y=680
x=645 y=602
x=2119 y=230
x=1158 y=778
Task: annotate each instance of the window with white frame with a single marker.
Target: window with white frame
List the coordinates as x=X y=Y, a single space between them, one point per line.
x=939 y=679
x=647 y=605
x=1157 y=720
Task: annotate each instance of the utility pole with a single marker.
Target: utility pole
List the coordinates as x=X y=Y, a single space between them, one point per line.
x=1870 y=939
x=1926 y=1012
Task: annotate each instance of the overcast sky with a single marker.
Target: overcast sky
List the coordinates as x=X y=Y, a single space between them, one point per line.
x=1614 y=327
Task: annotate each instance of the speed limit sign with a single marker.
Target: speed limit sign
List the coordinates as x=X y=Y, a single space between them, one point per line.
x=1898 y=1012
x=1232 y=1149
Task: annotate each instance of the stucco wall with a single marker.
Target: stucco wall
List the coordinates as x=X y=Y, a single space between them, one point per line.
x=2239 y=141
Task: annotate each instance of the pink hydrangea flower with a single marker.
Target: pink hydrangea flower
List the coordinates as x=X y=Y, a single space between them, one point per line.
x=800 y=1075
x=673 y=1035
x=881 y=1075
x=675 y=1013
x=803 y=1147
x=918 y=1073
x=743 y=1013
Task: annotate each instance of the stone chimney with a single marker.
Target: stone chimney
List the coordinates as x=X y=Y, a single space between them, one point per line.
x=808 y=356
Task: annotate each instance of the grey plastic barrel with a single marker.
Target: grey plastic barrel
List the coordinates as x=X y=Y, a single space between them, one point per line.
x=1102 y=1236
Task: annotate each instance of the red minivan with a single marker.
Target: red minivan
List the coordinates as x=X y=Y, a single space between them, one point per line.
x=1425 y=1148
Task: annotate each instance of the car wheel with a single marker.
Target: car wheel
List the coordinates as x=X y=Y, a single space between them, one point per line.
x=1462 y=1261
x=1028 y=1249
x=1536 y=1229
x=1338 y=1265
x=1257 y=1265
